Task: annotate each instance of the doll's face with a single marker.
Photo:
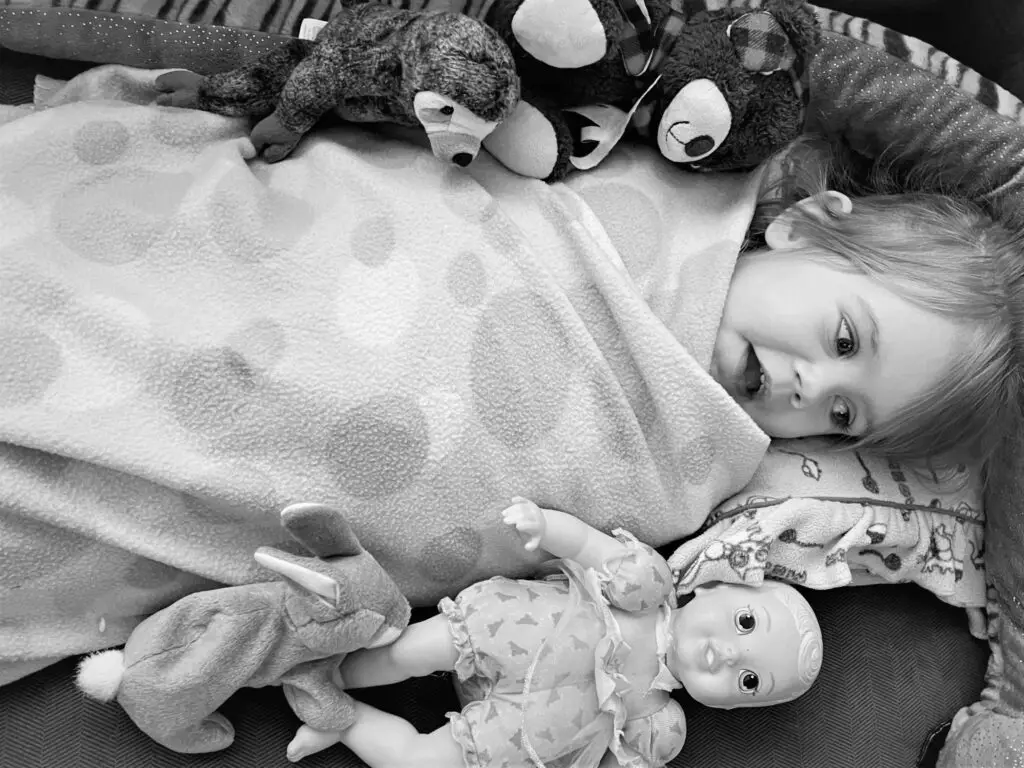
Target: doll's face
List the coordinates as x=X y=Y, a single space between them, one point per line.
x=736 y=646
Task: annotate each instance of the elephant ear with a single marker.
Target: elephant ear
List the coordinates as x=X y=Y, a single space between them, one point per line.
x=321 y=529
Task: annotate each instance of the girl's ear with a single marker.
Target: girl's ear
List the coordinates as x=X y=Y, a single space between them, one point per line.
x=782 y=232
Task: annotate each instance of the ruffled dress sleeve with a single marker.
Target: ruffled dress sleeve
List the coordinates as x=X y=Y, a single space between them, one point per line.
x=637 y=580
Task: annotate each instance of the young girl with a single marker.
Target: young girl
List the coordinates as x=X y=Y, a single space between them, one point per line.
x=576 y=670
x=892 y=319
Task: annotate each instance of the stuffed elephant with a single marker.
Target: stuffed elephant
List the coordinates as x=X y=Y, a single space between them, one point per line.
x=182 y=663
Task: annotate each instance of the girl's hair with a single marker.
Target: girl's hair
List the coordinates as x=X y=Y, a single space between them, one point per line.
x=941 y=252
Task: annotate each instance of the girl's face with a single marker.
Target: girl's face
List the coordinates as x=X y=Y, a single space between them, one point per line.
x=807 y=349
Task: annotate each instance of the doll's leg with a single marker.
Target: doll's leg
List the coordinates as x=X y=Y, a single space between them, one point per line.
x=422 y=649
x=251 y=90
x=383 y=740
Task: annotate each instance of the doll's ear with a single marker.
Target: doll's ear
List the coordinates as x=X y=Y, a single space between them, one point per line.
x=783 y=233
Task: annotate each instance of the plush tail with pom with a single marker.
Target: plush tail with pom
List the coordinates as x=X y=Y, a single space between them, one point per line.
x=99 y=675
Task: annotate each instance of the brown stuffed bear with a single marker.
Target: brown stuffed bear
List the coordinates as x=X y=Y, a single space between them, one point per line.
x=723 y=81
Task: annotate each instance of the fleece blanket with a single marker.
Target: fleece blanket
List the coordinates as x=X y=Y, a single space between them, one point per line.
x=194 y=339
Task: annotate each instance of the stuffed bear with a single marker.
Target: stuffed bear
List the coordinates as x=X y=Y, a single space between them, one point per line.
x=714 y=84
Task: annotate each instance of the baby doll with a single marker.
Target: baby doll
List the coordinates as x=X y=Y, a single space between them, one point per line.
x=576 y=669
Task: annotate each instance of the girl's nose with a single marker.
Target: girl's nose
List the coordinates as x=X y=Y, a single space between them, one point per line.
x=808 y=384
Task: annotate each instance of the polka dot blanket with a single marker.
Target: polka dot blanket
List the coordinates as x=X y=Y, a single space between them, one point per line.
x=194 y=339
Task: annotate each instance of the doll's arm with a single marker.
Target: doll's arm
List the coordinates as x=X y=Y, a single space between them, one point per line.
x=561 y=535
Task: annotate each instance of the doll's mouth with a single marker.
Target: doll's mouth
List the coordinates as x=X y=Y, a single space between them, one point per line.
x=711 y=658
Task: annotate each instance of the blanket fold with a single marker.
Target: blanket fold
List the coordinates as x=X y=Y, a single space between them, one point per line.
x=202 y=339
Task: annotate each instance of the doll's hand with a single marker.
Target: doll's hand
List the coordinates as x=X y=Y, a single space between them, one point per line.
x=528 y=519
x=272 y=139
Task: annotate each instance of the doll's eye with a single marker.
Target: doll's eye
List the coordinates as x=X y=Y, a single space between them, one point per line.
x=745 y=621
x=749 y=681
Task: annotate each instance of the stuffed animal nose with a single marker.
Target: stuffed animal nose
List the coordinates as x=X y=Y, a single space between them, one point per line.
x=462 y=159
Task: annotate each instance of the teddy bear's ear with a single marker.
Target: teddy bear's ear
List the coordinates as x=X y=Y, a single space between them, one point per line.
x=321 y=529
x=761 y=43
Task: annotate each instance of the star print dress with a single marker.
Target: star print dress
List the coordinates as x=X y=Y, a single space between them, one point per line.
x=538 y=667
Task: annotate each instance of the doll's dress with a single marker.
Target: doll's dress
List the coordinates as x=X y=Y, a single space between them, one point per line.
x=538 y=660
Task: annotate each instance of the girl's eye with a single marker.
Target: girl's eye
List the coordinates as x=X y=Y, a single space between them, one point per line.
x=846 y=342
x=745 y=621
x=842 y=416
x=749 y=681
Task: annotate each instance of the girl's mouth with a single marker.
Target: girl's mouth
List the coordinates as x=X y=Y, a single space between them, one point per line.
x=753 y=381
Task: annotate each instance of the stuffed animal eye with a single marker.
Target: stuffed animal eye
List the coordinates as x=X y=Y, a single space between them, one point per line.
x=749 y=682
x=449 y=110
x=745 y=621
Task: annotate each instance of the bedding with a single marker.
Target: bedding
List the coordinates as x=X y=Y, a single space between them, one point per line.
x=873 y=89
x=202 y=342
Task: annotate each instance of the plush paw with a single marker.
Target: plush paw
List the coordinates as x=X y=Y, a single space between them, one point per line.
x=272 y=140
x=534 y=142
x=179 y=88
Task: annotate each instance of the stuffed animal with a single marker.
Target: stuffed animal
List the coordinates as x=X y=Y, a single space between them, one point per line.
x=446 y=72
x=715 y=84
x=182 y=663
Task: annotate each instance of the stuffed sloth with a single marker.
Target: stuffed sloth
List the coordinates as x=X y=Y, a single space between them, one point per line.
x=714 y=84
x=446 y=72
